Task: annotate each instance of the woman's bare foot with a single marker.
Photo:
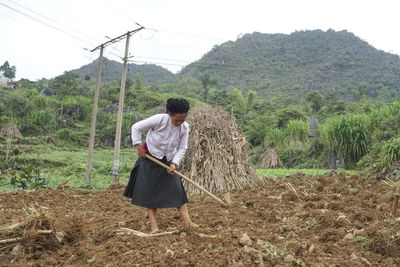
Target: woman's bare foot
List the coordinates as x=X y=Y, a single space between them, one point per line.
x=154 y=231
x=192 y=225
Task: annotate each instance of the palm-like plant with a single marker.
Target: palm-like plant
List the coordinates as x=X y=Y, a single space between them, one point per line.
x=390 y=151
x=347 y=135
x=275 y=138
x=298 y=130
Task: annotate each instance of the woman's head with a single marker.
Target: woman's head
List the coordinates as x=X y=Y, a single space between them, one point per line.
x=178 y=110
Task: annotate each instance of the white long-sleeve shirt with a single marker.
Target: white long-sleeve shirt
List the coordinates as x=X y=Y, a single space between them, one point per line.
x=163 y=138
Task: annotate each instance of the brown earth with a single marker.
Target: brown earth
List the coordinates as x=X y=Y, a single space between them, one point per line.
x=335 y=220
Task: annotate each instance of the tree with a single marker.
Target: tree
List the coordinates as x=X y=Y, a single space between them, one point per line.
x=8 y=71
x=206 y=83
x=250 y=100
x=66 y=84
x=236 y=99
x=315 y=99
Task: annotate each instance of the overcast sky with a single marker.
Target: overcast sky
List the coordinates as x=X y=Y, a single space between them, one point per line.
x=44 y=38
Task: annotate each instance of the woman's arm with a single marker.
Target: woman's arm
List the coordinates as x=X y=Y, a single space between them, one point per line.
x=143 y=125
x=180 y=153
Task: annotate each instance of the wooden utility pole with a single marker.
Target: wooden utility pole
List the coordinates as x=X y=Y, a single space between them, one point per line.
x=117 y=142
x=94 y=115
x=120 y=107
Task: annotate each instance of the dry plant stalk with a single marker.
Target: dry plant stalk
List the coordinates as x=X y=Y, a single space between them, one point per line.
x=9 y=131
x=217 y=156
x=270 y=159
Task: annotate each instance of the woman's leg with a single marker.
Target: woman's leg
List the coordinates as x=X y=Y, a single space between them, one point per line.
x=185 y=215
x=153 y=221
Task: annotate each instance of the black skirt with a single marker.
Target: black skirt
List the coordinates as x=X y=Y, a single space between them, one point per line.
x=151 y=186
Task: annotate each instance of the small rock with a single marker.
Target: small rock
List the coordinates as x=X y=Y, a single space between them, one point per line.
x=209 y=246
x=290 y=258
x=367 y=262
x=348 y=236
x=311 y=248
x=169 y=253
x=260 y=243
x=245 y=240
x=379 y=207
x=353 y=257
x=184 y=251
x=123 y=224
x=16 y=250
x=228 y=199
x=358 y=232
x=206 y=236
x=60 y=236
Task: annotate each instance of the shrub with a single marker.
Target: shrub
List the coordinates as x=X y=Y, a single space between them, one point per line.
x=30 y=178
x=347 y=135
x=390 y=151
x=275 y=138
x=64 y=134
x=298 y=130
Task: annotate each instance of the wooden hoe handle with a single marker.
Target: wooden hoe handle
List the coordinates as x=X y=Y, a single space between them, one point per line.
x=189 y=180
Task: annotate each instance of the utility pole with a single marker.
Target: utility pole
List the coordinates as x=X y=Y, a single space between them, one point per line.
x=117 y=142
x=120 y=107
x=94 y=115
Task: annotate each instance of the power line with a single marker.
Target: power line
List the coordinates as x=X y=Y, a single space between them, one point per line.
x=116 y=39
x=70 y=17
x=120 y=12
x=48 y=18
x=46 y=24
x=189 y=34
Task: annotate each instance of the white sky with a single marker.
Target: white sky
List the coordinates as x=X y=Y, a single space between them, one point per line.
x=185 y=29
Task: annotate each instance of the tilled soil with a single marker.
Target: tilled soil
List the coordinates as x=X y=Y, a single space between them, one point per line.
x=335 y=220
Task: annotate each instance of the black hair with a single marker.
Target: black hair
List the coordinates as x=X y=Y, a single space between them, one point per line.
x=177 y=105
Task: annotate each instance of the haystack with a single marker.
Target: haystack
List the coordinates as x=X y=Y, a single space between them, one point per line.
x=217 y=156
x=270 y=159
x=9 y=131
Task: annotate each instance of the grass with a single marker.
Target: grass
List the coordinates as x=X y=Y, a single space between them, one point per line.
x=75 y=170
x=275 y=173
x=75 y=162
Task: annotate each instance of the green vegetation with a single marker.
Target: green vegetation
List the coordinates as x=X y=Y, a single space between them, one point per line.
x=320 y=99
x=70 y=166
x=275 y=173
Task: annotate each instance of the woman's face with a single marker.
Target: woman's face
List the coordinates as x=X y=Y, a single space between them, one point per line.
x=178 y=119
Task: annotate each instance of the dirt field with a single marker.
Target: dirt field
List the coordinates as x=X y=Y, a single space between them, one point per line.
x=333 y=220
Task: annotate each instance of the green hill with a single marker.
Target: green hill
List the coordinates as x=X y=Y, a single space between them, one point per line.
x=304 y=61
x=112 y=70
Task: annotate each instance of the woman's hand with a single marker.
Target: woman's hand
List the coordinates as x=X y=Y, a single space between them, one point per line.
x=140 y=150
x=171 y=169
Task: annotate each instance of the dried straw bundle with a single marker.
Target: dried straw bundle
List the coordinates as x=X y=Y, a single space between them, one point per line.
x=270 y=159
x=9 y=131
x=217 y=156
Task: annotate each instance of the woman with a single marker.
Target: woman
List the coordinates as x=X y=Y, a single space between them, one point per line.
x=151 y=186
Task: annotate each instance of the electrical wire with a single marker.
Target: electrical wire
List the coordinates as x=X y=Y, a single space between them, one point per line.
x=46 y=24
x=50 y=19
x=71 y=18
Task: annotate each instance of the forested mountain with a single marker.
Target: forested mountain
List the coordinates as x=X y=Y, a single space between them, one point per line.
x=301 y=62
x=112 y=70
